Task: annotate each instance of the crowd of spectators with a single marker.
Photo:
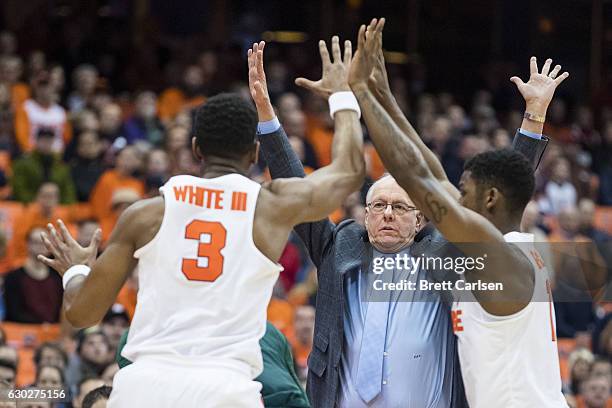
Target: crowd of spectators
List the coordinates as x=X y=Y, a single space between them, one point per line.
x=72 y=147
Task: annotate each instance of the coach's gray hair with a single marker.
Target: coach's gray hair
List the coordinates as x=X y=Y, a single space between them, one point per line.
x=371 y=189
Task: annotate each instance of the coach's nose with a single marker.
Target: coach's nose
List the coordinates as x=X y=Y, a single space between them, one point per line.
x=388 y=213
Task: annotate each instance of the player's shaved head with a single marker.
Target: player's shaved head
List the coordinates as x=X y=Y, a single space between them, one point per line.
x=225 y=127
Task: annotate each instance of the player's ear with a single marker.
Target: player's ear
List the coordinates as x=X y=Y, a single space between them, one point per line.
x=196 y=149
x=493 y=196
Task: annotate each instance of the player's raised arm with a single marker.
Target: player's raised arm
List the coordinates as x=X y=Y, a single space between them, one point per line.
x=88 y=297
x=317 y=195
x=379 y=85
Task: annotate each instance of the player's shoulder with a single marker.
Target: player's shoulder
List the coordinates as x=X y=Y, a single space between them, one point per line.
x=142 y=219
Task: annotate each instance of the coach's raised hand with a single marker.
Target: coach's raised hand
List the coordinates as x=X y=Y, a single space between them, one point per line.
x=66 y=251
x=538 y=92
x=257 y=83
x=369 y=46
x=335 y=74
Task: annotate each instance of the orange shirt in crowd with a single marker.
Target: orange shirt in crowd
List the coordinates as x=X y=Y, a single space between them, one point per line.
x=20 y=92
x=300 y=351
x=173 y=100
x=33 y=217
x=581 y=403
x=376 y=166
x=280 y=314
x=102 y=193
x=321 y=141
x=127 y=298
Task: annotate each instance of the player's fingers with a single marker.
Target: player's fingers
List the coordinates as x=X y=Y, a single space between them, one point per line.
x=348 y=52
x=324 y=53
x=561 y=78
x=259 y=65
x=65 y=233
x=51 y=246
x=52 y=263
x=533 y=65
x=517 y=81
x=53 y=237
x=546 y=67
x=96 y=240
x=262 y=45
x=380 y=25
x=553 y=74
x=305 y=83
x=361 y=37
x=336 y=49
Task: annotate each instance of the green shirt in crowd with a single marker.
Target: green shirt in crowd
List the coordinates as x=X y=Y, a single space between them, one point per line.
x=280 y=385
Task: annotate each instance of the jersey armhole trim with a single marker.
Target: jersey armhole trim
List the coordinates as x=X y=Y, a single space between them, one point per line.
x=145 y=248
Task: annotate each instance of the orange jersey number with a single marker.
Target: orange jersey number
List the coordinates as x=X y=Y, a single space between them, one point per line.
x=211 y=250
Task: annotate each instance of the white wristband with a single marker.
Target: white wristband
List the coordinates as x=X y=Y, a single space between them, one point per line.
x=74 y=271
x=343 y=101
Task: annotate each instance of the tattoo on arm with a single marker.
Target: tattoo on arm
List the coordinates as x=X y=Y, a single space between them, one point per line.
x=437 y=210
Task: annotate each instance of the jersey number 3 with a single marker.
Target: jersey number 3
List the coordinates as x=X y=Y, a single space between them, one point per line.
x=211 y=250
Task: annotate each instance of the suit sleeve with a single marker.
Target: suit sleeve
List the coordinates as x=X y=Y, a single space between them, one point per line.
x=531 y=147
x=284 y=163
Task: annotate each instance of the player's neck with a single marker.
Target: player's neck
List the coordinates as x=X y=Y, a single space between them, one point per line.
x=506 y=224
x=220 y=167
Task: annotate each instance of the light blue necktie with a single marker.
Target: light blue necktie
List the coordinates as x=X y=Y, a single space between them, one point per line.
x=370 y=366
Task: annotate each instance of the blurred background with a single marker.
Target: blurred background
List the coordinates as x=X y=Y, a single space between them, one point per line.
x=96 y=107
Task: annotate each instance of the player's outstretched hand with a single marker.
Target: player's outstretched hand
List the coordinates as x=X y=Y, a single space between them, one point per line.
x=335 y=73
x=379 y=81
x=257 y=82
x=66 y=251
x=369 y=46
x=539 y=90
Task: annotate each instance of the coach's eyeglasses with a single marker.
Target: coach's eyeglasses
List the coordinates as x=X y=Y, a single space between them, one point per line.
x=378 y=207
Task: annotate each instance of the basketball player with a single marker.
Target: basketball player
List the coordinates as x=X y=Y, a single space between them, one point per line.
x=507 y=349
x=206 y=253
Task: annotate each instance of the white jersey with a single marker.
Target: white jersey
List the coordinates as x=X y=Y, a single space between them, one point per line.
x=511 y=361
x=203 y=285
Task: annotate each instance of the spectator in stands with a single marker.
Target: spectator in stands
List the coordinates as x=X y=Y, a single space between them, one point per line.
x=559 y=191
x=302 y=338
x=595 y=392
x=127 y=164
x=49 y=376
x=177 y=140
x=40 y=166
x=84 y=80
x=8 y=374
x=33 y=293
x=86 y=232
x=42 y=112
x=94 y=355
x=579 y=362
x=85 y=386
x=97 y=398
x=7 y=118
x=2 y=337
x=86 y=168
x=50 y=354
x=111 y=126
x=11 y=69
x=190 y=94
x=186 y=163
x=294 y=123
x=602 y=164
x=586 y=208
x=122 y=198
x=115 y=322
x=602 y=367
x=144 y=125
